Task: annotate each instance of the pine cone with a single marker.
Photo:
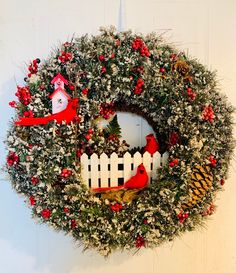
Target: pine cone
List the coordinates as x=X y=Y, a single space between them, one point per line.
x=201 y=182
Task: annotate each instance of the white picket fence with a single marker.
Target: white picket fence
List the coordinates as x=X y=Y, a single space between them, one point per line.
x=105 y=171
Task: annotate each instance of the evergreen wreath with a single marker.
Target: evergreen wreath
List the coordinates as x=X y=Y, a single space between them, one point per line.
x=103 y=74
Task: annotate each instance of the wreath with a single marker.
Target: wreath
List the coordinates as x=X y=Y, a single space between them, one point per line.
x=57 y=121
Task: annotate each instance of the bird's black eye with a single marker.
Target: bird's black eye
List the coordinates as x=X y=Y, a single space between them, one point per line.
x=141 y=171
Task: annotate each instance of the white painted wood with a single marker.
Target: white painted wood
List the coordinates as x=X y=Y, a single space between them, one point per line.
x=137 y=161
x=94 y=171
x=156 y=164
x=147 y=160
x=113 y=169
x=127 y=166
x=104 y=173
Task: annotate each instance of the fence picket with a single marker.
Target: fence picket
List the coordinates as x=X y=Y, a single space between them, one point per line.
x=113 y=169
x=127 y=166
x=112 y=174
x=156 y=164
x=147 y=159
x=137 y=161
x=94 y=171
x=104 y=173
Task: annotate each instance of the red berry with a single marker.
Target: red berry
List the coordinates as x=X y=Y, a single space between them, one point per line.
x=101 y=58
x=162 y=70
x=88 y=137
x=90 y=131
x=222 y=182
x=72 y=87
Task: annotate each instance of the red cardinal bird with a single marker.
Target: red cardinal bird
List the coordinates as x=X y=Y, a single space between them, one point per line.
x=152 y=145
x=138 y=181
x=67 y=115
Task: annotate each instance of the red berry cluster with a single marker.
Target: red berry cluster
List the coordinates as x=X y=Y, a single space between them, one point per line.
x=140 y=46
x=23 y=94
x=73 y=223
x=101 y=58
x=89 y=134
x=33 y=67
x=12 y=158
x=116 y=207
x=182 y=217
x=103 y=70
x=213 y=161
x=173 y=139
x=139 y=86
x=140 y=242
x=85 y=91
x=112 y=137
x=66 y=210
x=13 y=104
x=191 y=95
x=66 y=173
x=46 y=213
x=106 y=110
x=139 y=69
x=210 y=210
x=65 y=57
x=208 y=113
x=222 y=182
x=34 y=180
x=28 y=114
x=32 y=201
x=174 y=162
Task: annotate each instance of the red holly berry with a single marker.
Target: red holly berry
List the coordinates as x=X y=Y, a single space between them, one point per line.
x=182 y=217
x=65 y=57
x=12 y=158
x=88 y=137
x=213 y=161
x=73 y=224
x=103 y=70
x=28 y=114
x=222 y=182
x=173 y=139
x=140 y=242
x=32 y=201
x=23 y=94
x=13 y=104
x=112 y=56
x=116 y=207
x=85 y=91
x=79 y=152
x=90 y=131
x=101 y=58
x=34 y=180
x=46 y=213
x=174 y=163
x=208 y=114
x=162 y=70
x=66 y=210
x=191 y=95
x=72 y=87
x=66 y=173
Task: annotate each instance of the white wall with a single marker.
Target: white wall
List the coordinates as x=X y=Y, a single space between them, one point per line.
x=29 y=29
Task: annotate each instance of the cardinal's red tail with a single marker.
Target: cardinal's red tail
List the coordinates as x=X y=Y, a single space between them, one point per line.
x=107 y=189
x=31 y=121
